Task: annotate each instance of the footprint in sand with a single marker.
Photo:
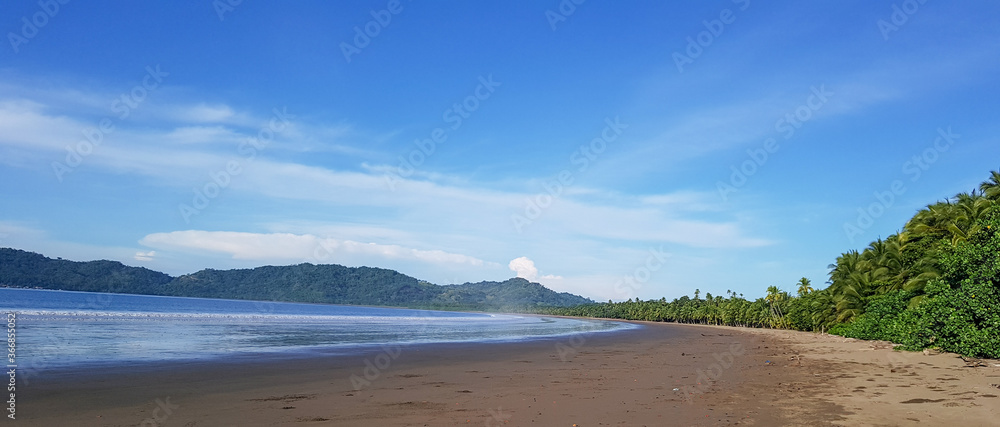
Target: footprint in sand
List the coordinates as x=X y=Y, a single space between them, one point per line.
x=923 y=401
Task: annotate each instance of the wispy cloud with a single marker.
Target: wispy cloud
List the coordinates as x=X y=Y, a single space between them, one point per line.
x=202 y=135
x=284 y=246
x=16 y=231
x=469 y=207
x=203 y=113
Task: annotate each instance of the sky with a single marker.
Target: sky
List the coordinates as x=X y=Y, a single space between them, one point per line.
x=613 y=150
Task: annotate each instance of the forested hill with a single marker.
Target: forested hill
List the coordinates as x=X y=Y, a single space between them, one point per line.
x=332 y=284
x=23 y=269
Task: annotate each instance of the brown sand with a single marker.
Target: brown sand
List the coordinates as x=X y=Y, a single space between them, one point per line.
x=661 y=374
x=882 y=387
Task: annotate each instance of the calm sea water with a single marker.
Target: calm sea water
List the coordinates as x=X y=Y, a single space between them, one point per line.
x=59 y=329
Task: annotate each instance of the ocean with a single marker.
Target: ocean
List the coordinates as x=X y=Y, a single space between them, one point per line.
x=61 y=329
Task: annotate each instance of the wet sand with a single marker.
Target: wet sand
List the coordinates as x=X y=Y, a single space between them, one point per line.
x=659 y=374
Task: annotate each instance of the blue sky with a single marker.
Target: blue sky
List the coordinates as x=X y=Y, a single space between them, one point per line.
x=591 y=147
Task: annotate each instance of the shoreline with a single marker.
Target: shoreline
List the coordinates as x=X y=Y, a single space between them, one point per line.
x=282 y=355
x=684 y=374
x=274 y=359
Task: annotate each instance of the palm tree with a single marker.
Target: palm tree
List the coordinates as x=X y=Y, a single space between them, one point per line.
x=953 y=219
x=922 y=271
x=931 y=222
x=991 y=187
x=884 y=263
x=774 y=298
x=823 y=309
x=969 y=209
x=850 y=298
x=854 y=277
x=847 y=263
x=805 y=287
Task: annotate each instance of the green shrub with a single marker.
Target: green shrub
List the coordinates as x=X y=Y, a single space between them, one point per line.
x=881 y=319
x=840 y=329
x=964 y=320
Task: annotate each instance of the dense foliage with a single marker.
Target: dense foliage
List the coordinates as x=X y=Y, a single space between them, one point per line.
x=934 y=284
x=334 y=284
x=959 y=311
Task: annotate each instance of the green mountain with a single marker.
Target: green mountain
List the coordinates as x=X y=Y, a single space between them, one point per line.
x=328 y=283
x=21 y=269
x=516 y=292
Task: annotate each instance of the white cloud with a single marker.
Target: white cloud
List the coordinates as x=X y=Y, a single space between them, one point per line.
x=205 y=113
x=524 y=267
x=11 y=231
x=683 y=200
x=27 y=124
x=286 y=246
x=145 y=256
x=201 y=134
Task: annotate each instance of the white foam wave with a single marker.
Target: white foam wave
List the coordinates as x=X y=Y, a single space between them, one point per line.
x=85 y=314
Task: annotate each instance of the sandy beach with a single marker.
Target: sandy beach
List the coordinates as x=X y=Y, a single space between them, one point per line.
x=656 y=375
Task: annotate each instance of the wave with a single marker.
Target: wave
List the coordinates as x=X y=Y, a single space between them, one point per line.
x=84 y=314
